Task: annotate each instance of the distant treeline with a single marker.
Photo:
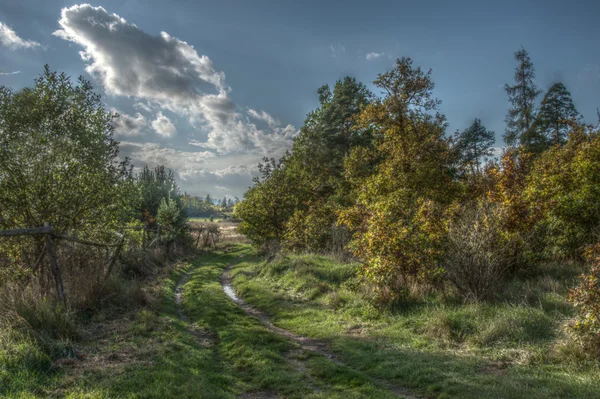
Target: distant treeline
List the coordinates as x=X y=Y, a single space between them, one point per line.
x=207 y=207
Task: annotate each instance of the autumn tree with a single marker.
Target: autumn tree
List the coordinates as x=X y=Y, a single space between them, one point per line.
x=563 y=192
x=557 y=112
x=398 y=219
x=520 y=129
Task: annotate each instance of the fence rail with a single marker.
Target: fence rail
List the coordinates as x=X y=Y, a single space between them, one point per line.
x=209 y=234
x=50 y=249
x=26 y=232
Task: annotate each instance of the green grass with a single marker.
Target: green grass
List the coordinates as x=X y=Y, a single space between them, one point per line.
x=512 y=348
x=515 y=347
x=152 y=354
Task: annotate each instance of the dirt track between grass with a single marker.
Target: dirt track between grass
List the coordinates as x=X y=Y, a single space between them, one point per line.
x=305 y=343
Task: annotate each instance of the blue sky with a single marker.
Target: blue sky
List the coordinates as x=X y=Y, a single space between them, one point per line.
x=231 y=81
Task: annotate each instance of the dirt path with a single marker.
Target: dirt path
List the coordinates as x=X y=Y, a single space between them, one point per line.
x=307 y=344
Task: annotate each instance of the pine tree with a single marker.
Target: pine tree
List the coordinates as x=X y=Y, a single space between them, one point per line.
x=556 y=111
x=208 y=200
x=520 y=129
x=473 y=145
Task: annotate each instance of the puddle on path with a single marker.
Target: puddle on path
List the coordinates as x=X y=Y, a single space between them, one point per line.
x=230 y=292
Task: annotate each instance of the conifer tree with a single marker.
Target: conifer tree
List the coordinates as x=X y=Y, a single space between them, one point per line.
x=473 y=145
x=520 y=129
x=556 y=111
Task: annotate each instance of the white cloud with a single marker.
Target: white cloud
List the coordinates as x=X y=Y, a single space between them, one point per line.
x=10 y=73
x=163 y=126
x=336 y=50
x=169 y=73
x=128 y=125
x=263 y=116
x=198 y=172
x=10 y=39
x=373 y=56
x=129 y=62
x=143 y=106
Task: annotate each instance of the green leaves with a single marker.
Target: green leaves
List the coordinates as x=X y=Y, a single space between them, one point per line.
x=172 y=220
x=58 y=158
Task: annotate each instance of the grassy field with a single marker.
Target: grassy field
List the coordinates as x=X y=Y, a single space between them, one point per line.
x=205 y=346
x=204 y=220
x=513 y=348
x=215 y=351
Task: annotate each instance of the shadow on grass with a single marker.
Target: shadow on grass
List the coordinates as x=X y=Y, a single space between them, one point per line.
x=406 y=358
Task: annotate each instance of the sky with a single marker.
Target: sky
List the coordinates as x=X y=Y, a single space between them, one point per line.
x=208 y=88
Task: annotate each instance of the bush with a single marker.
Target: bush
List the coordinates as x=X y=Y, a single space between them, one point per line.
x=310 y=229
x=563 y=194
x=478 y=255
x=401 y=246
x=173 y=223
x=586 y=299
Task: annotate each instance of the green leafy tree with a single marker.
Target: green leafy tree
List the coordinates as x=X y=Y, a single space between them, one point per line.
x=155 y=185
x=268 y=205
x=520 y=129
x=329 y=134
x=473 y=145
x=58 y=159
x=173 y=222
x=317 y=159
x=557 y=113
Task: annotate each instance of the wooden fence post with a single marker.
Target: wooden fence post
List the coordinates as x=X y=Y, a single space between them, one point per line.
x=60 y=291
x=114 y=258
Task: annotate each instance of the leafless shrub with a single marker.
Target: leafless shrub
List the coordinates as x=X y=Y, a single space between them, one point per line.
x=340 y=238
x=478 y=254
x=207 y=235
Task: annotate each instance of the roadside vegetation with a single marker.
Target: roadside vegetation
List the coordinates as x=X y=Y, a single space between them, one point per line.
x=515 y=345
x=412 y=255
x=109 y=232
x=469 y=276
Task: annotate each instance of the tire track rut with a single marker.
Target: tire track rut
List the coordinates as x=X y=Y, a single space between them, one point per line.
x=305 y=343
